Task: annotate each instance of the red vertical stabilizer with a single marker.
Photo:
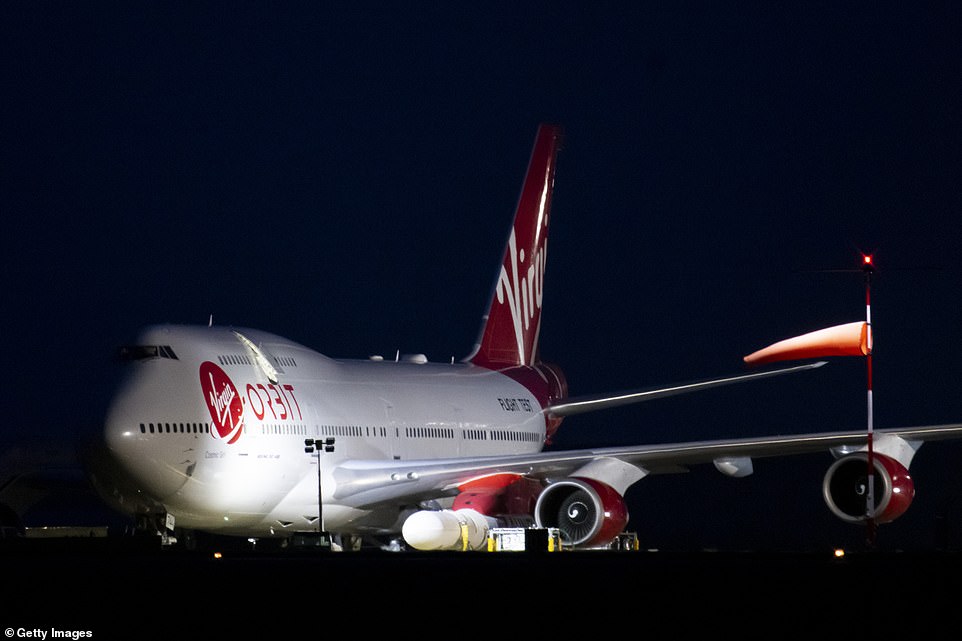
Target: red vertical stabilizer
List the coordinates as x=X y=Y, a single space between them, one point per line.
x=509 y=333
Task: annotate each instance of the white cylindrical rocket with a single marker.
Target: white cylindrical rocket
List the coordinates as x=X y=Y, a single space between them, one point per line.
x=447 y=530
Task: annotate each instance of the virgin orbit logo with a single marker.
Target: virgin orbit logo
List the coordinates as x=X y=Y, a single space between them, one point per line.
x=224 y=403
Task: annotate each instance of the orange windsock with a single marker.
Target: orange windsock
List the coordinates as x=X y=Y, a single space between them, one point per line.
x=851 y=339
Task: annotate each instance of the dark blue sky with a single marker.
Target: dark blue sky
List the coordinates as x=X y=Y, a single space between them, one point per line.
x=345 y=177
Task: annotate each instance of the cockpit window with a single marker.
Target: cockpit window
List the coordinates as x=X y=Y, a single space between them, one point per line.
x=130 y=353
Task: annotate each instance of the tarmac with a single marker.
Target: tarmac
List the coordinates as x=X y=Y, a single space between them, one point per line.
x=131 y=589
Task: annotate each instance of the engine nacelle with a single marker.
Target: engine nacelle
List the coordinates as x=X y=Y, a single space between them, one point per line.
x=845 y=488
x=586 y=512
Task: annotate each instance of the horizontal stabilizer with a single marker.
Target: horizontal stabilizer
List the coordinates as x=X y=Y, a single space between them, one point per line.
x=583 y=404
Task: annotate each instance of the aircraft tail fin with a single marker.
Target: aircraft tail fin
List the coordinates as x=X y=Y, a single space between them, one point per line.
x=511 y=326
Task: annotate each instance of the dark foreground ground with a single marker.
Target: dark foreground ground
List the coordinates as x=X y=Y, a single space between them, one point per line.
x=116 y=590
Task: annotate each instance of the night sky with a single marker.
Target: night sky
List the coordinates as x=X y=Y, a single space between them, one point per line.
x=346 y=177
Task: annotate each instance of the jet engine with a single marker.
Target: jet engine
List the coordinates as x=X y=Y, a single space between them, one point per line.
x=588 y=513
x=845 y=488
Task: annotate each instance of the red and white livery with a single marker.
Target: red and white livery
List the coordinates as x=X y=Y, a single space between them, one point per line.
x=207 y=431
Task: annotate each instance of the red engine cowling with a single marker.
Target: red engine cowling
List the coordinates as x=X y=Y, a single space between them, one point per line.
x=846 y=483
x=588 y=513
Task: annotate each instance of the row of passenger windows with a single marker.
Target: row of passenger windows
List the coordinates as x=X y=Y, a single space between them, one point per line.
x=506 y=435
x=280 y=428
x=244 y=359
x=175 y=428
x=431 y=432
x=204 y=428
x=350 y=430
x=353 y=430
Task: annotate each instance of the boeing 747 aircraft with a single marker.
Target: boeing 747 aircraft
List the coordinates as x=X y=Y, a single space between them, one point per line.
x=208 y=430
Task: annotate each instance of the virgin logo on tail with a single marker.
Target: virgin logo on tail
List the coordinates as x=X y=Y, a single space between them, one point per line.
x=509 y=336
x=223 y=402
x=523 y=294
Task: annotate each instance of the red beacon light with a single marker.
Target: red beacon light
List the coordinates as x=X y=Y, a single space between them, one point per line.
x=867 y=264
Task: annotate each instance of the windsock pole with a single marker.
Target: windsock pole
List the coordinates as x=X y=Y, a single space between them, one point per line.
x=868 y=268
x=849 y=339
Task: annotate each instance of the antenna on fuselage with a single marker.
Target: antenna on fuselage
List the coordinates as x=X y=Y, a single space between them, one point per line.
x=210 y=321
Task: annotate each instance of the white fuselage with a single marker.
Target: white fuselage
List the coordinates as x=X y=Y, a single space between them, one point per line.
x=200 y=431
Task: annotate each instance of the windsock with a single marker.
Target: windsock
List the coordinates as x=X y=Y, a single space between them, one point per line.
x=851 y=339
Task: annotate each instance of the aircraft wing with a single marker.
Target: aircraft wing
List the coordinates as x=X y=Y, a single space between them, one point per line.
x=364 y=483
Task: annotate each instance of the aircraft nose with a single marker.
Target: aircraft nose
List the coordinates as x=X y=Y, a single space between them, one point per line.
x=141 y=450
x=125 y=443
x=121 y=436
